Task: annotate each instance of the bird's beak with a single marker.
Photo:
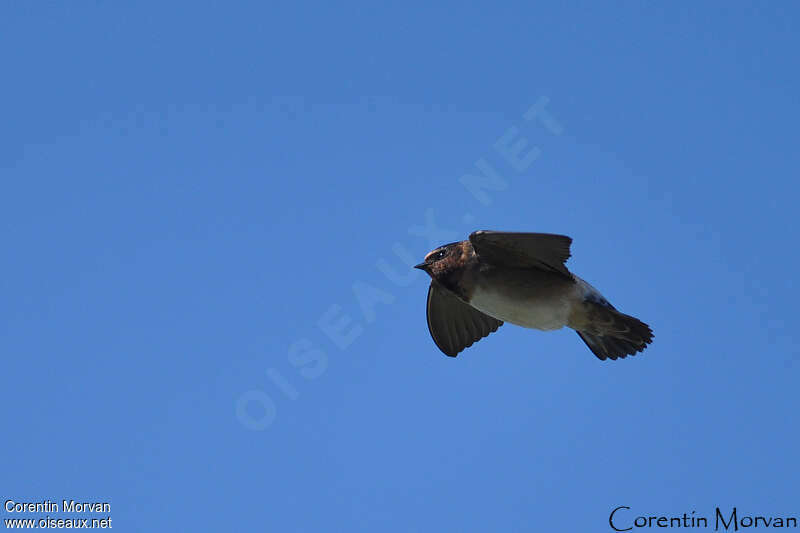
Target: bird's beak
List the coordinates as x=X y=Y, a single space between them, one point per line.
x=422 y=266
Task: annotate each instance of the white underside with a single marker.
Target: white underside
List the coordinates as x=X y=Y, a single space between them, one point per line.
x=540 y=313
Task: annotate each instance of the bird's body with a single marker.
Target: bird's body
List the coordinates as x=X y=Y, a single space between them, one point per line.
x=538 y=302
x=520 y=278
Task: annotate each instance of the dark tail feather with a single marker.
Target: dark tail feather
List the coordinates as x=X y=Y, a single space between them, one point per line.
x=617 y=335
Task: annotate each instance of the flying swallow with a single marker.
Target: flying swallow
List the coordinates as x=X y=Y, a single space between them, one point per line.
x=521 y=278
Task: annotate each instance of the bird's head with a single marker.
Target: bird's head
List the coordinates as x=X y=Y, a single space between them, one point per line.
x=443 y=260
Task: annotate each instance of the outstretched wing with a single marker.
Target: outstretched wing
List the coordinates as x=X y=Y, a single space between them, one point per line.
x=544 y=251
x=453 y=324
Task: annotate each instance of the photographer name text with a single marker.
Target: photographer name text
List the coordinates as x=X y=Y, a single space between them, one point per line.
x=49 y=506
x=623 y=519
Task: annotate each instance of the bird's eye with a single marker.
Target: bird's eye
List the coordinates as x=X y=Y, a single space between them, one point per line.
x=441 y=254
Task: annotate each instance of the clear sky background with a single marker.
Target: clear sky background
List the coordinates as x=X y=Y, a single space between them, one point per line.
x=190 y=189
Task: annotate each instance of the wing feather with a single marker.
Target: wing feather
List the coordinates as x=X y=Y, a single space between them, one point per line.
x=453 y=324
x=544 y=251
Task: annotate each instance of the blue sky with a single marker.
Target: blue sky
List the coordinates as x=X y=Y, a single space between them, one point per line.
x=209 y=211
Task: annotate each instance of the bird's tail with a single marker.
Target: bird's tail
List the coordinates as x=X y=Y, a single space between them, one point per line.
x=610 y=334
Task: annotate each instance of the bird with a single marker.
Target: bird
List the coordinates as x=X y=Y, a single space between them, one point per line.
x=521 y=278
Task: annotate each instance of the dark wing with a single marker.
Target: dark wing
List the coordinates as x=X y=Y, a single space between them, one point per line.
x=453 y=324
x=544 y=251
